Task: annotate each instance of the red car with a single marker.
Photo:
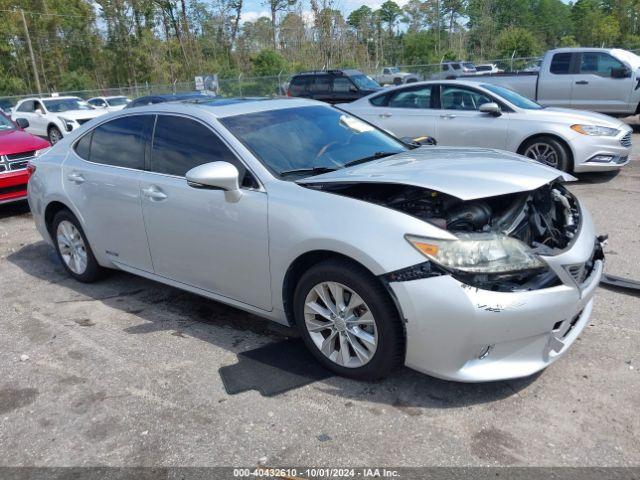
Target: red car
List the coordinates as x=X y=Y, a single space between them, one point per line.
x=17 y=147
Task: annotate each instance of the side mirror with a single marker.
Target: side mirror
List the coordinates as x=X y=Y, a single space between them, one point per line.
x=353 y=89
x=39 y=111
x=491 y=108
x=216 y=176
x=622 y=72
x=22 y=123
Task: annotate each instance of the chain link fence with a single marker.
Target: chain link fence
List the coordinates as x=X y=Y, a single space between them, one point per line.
x=245 y=86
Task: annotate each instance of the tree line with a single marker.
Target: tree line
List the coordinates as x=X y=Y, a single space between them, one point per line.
x=89 y=44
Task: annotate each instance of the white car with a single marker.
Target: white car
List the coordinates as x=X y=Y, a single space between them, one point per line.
x=473 y=114
x=487 y=68
x=54 y=117
x=109 y=104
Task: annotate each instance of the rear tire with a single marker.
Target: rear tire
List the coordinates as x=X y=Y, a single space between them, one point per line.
x=365 y=339
x=73 y=248
x=548 y=151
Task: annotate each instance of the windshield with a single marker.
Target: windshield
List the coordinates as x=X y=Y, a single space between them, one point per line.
x=307 y=138
x=117 y=101
x=66 y=104
x=6 y=124
x=513 y=97
x=365 y=83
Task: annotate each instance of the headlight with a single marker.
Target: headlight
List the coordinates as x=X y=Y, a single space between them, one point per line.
x=595 y=130
x=479 y=253
x=68 y=124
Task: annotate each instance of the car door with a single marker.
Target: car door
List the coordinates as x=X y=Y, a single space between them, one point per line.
x=460 y=123
x=594 y=88
x=101 y=177
x=406 y=112
x=555 y=86
x=197 y=236
x=320 y=87
x=26 y=110
x=40 y=119
x=344 y=90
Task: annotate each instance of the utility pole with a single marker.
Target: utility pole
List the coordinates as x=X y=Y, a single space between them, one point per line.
x=33 y=58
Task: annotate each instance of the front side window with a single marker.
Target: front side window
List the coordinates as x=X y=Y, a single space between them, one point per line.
x=180 y=144
x=456 y=66
x=561 y=64
x=6 y=124
x=66 y=104
x=289 y=140
x=341 y=85
x=321 y=83
x=457 y=98
x=121 y=142
x=411 y=98
x=96 y=102
x=599 y=63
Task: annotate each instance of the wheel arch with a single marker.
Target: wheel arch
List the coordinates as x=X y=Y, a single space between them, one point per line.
x=304 y=262
x=556 y=137
x=51 y=210
x=54 y=124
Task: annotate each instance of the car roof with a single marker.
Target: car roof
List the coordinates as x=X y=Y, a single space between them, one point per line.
x=228 y=107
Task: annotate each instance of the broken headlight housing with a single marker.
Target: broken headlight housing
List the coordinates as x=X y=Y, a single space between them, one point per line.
x=479 y=253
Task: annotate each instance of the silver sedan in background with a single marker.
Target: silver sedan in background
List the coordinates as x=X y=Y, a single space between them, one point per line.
x=467 y=264
x=472 y=114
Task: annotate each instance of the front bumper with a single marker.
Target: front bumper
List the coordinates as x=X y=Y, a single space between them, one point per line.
x=458 y=332
x=13 y=186
x=597 y=154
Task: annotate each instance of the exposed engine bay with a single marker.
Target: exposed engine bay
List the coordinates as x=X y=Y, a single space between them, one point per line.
x=546 y=219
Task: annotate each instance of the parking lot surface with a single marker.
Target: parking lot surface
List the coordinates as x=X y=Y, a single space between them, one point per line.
x=125 y=372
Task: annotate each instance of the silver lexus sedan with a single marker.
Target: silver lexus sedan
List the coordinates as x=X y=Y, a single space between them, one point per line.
x=466 y=264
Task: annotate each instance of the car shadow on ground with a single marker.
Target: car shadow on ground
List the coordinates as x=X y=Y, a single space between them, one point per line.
x=179 y=313
x=13 y=209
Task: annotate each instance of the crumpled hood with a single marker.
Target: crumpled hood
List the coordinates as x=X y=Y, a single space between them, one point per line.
x=465 y=173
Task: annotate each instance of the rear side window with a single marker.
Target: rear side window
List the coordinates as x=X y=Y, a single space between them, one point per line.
x=83 y=147
x=561 y=64
x=321 y=84
x=26 y=106
x=419 y=97
x=121 y=142
x=180 y=144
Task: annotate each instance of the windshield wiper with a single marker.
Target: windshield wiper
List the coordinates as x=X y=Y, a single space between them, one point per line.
x=312 y=171
x=375 y=156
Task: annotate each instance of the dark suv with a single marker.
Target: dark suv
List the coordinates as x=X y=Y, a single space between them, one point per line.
x=332 y=86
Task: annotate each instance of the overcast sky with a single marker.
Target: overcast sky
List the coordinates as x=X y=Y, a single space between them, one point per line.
x=256 y=8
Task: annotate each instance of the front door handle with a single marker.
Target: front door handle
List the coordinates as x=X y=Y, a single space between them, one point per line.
x=75 y=177
x=448 y=116
x=153 y=193
x=385 y=115
x=582 y=82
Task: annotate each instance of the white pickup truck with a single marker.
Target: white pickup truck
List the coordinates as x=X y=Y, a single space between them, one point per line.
x=599 y=79
x=394 y=76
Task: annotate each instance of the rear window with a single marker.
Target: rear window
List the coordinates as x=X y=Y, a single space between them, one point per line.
x=561 y=64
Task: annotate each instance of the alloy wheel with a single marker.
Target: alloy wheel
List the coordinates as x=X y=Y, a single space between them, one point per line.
x=543 y=153
x=72 y=248
x=340 y=324
x=54 y=136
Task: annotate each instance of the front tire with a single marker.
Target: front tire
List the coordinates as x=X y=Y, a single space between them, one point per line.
x=54 y=134
x=73 y=248
x=348 y=321
x=549 y=151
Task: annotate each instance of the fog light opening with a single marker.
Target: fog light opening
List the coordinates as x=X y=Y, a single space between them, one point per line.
x=485 y=353
x=602 y=159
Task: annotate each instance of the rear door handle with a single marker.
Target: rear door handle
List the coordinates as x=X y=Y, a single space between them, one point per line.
x=385 y=115
x=75 y=177
x=582 y=82
x=153 y=193
x=448 y=116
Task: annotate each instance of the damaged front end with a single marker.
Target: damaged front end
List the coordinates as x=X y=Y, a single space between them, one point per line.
x=499 y=239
